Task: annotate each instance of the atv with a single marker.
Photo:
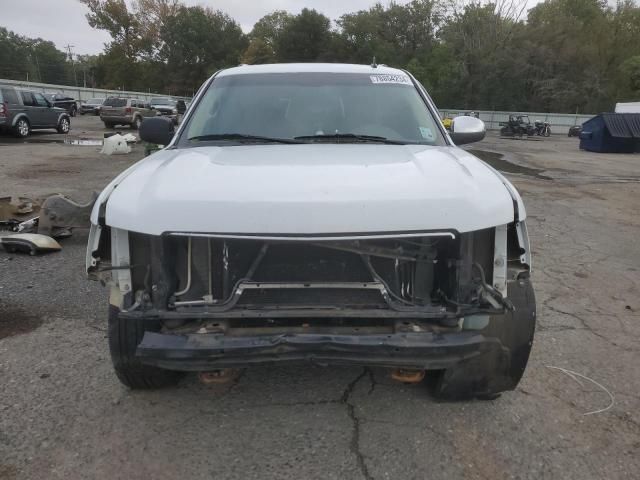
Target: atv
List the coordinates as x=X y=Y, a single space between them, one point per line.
x=518 y=125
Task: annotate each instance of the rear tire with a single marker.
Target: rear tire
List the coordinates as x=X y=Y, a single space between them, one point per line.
x=124 y=337
x=485 y=377
x=22 y=128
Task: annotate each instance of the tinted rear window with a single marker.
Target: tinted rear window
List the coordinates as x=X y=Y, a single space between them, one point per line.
x=115 y=102
x=9 y=95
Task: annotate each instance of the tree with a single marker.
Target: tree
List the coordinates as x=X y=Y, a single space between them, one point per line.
x=264 y=37
x=393 y=35
x=304 y=38
x=197 y=42
x=630 y=69
x=35 y=59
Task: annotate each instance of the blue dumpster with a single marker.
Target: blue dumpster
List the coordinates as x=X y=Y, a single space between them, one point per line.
x=612 y=133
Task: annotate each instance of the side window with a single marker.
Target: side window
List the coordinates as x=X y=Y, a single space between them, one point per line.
x=40 y=100
x=27 y=99
x=10 y=96
x=134 y=103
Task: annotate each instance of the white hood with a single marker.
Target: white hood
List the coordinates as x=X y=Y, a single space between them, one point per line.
x=308 y=189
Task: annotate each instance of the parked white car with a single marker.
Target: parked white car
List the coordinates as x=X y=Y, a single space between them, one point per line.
x=320 y=213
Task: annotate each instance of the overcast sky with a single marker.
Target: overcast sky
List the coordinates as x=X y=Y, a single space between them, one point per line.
x=63 y=21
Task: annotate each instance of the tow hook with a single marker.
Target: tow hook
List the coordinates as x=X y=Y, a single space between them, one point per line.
x=408 y=376
x=223 y=375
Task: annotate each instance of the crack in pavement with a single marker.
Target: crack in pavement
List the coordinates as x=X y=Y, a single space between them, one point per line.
x=354 y=445
x=588 y=328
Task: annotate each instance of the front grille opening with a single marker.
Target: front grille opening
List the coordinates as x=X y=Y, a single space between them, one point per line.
x=429 y=275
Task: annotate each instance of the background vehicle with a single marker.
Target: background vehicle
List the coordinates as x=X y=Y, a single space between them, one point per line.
x=125 y=111
x=574 y=131
x=518 y=125
x=543 y=129
x=92 y=105
x=62 y=101
x=314 y=212
x=23 y=110
x=168 y=107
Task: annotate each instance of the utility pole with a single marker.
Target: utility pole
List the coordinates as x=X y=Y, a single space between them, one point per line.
x=35 y=56
x=73 y=65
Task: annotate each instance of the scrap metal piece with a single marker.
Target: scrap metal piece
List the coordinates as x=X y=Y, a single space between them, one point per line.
x=31 y=243
x=60 y=214
x=28 y=226
x=11 y=207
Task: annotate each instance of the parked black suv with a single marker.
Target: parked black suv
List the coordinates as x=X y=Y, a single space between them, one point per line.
x=62 y=101
x=23 y=110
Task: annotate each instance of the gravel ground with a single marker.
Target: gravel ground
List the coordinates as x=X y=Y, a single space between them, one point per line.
x=63 y=414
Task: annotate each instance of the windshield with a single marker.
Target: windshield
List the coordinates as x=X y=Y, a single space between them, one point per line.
x=162 y=101
x=332 y=107
x=95 y=101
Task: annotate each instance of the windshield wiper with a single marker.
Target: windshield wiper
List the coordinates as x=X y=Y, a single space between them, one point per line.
x=352 y=137
x=243 y=137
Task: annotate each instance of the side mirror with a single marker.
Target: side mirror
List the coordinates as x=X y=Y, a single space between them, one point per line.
x=158 y=130
x=467 y=130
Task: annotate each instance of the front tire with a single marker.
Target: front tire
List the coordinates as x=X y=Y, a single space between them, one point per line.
x=22 y=128
x=63 y=126
x=124 y=337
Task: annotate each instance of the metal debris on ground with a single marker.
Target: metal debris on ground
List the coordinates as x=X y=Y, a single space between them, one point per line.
x=60 y=214
x=56 y=216
x=31 y=243
x=573 y=375
x=19 y=214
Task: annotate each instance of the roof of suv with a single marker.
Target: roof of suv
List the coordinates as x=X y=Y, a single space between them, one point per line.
x=311 y=68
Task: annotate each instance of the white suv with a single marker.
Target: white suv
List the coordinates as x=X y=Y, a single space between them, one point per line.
x=320 y=213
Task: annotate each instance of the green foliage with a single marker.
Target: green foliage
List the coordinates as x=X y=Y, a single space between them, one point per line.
x=561 y=55
x=630 y=69
x=304 y=38
x=32 y=58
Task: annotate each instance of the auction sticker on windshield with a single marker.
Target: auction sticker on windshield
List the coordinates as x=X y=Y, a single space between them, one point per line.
x=401 y=79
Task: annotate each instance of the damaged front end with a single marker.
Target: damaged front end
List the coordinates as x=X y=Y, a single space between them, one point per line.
x=417 y=300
